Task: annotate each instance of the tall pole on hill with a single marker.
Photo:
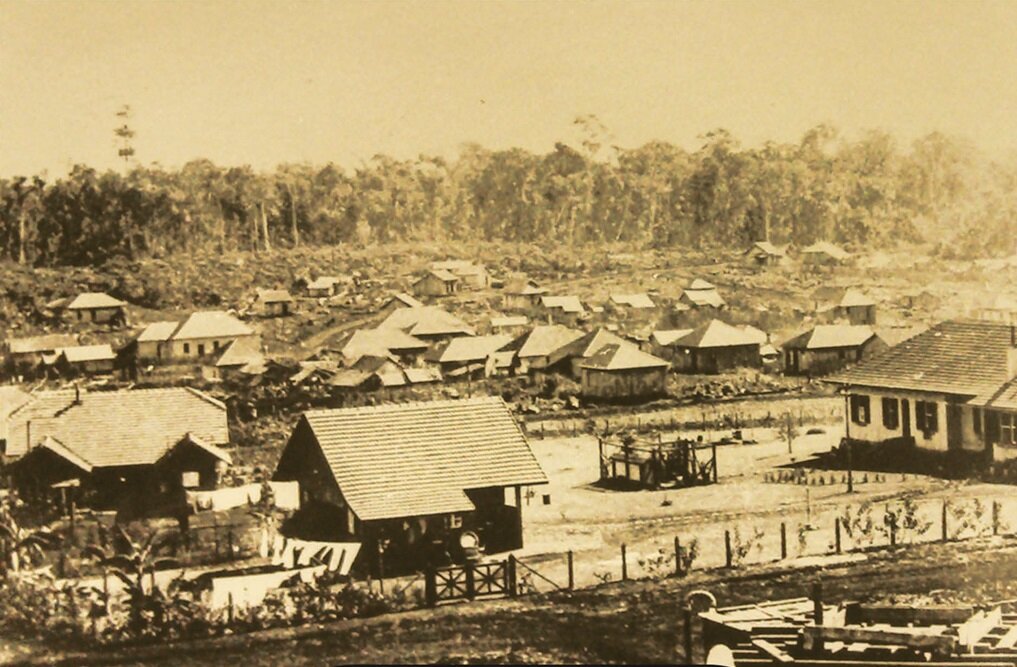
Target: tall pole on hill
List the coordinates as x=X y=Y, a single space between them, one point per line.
x=124 y=136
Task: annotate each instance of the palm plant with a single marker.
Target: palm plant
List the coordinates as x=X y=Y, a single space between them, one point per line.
x=20 y=544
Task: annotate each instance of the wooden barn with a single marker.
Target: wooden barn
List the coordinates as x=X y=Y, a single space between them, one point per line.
x=97 y=307
x=764 y=253
x=829 y=347
x=274 y=302
x=437 y=283
x=716 y=347
x=407 y=480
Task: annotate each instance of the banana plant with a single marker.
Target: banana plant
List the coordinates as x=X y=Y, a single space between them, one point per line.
x=21 y=545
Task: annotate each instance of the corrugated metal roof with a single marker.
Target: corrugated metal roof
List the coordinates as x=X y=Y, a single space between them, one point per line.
x=474 y=348
x=964 y=357
x=119 y=428
x=426 y=321
x=623 y=357
x=411 y=459
x=82 y=353
x=44 y=343
x=211 y=324
x=828 y=336
x=546 y=338
x=88 y=300
x=716 y=333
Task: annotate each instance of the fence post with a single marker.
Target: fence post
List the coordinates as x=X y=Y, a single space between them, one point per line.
x=513 y=585
x=893 y=533
x=817 y=610
x=625 y=565
x=229 y=609
x=783 y=541
x=431 y=586
x=229 y=543
x=713 y=453
x=572 y=572
x=471 y=591
x=944 y=533
x=995 y=517
x=836 y=533
x=727 y=547
x=677 y=556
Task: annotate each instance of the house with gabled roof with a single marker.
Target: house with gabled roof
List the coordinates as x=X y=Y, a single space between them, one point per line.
x=578 y=351
x=26 y=354
x=950 y=390
x=824 y=253
x=243 y=356
x=86 y=360
x=202 y=335
x=383 y=341
x=323 y=287
x=829 y=347
x=566 y=310
x=274 y=302
x=715 y=347
x=408 y=480
x=623 y=372
x=437 y=283
x=765 y=253
x=471 y=274
x=472 y=350
x=97 y=307
x=398 y=300
x=128 y=450
x=522 y=295
x=537 y=346
x=701 y=294
x=428 y=323
x=853 y=306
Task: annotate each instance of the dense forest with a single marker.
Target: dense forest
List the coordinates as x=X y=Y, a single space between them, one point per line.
x=869 y=190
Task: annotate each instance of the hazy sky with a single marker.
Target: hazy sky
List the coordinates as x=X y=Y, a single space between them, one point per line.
x=267 y=82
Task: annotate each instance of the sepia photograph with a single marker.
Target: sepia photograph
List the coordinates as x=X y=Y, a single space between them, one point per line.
x=508 y=332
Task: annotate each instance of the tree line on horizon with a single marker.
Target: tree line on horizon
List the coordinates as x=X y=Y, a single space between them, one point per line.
x=867 y=191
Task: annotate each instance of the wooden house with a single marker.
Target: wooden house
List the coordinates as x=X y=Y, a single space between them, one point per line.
x=384 y=341
x=623 y=372
x=242 y=357
x=470 y=274
x=274 y=302
x=536 y=347
x=323 y=287
x=472 y=350
x=715 y=347
x=567 y=310
x=513 y=324
x=428 y=323
x=578 y=351
x=523 y=295
x=951 y=390
x=701 y=294
x=86 y=360
x=824 y=253
x=638 y=307
x=856 y=308
x=135 y=450
x=829 y=347
x=437 y=283
x=27 y=354
x=97 y=307
x=408 y=480
x=764 y=253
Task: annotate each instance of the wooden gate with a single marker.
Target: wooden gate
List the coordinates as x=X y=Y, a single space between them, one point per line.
x=470 y=581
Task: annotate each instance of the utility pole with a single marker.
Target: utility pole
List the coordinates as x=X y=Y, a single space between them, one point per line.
x=847 y=440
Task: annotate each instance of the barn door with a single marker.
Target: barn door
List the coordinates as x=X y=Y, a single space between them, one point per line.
x=954 y=427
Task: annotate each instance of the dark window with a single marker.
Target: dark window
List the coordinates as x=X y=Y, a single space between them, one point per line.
x=201 y=349
x=992 y=426
x=215 y=345
x=926 y=417
x=187 y=348
x=976 y=420
x=860 y=410
x=891 y=413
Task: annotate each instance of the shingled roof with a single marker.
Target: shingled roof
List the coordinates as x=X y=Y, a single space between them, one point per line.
x=546 y=338
x=417 y=459
x=211 y=324
x=960 y=357
x=118 y=428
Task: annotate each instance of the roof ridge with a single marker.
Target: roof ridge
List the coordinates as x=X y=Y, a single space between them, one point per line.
x=406 y=405
x=203 y=396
